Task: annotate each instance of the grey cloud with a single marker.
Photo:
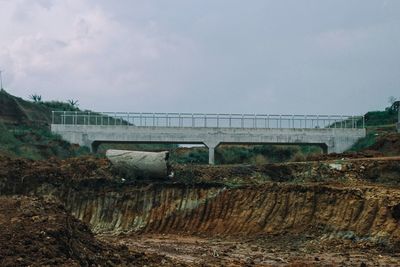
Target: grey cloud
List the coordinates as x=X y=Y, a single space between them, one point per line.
x=310 y=56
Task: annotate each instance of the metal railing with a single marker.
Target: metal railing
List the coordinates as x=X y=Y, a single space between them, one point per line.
x=193 y=120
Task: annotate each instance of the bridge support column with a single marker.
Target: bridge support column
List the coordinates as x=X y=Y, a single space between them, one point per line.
x=211 y=144
x=211 y=155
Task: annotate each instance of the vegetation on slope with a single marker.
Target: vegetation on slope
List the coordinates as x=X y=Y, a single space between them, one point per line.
x=25 y=129
x=380 y=125
x=247 y=154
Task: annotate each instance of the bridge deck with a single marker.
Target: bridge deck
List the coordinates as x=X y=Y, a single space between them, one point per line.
x=333 y=133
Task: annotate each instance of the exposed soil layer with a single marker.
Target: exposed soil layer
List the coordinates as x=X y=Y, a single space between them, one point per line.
x=40 y=232
x=367 y=213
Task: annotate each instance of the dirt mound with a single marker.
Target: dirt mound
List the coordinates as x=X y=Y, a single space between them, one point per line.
x=387 y=144
x=365 y=170
x=38 y=232
x=21 y=176
x=16 y=111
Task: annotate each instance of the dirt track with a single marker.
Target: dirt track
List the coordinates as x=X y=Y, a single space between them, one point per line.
x=287 y=250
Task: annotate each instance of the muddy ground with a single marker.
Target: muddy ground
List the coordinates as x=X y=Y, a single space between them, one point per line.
x=77 y=212
x=282 y=250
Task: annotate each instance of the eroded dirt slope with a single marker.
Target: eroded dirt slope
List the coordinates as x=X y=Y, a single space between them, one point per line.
x=367 y=212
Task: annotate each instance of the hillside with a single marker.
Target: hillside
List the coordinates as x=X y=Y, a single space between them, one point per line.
x=16 y=111
x=25 y=130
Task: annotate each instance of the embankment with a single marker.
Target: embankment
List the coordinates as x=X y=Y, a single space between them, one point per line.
x=369 y=212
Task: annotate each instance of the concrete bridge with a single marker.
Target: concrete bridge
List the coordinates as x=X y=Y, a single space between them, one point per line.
x=332 y=133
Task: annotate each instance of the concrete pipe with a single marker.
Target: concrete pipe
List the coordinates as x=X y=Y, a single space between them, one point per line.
x=140 y=164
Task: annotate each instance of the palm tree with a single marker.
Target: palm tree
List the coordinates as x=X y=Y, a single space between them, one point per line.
x=36 y=98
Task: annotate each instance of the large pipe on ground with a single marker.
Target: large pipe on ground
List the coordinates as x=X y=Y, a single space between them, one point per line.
x=140 y=164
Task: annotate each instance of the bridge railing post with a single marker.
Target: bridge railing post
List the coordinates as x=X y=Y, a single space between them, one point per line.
x=280 y=121
x=301 y=122
x=293 y=121
x=363 y=119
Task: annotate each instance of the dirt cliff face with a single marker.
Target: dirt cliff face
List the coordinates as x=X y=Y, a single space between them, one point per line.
x=361 y=213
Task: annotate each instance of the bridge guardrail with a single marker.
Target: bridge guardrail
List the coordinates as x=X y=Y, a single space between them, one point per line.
x=195 y=120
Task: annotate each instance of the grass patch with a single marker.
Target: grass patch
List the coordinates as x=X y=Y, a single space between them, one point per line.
x=365 y=142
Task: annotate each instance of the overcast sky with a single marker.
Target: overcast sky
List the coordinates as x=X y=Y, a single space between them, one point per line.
x=233 y=56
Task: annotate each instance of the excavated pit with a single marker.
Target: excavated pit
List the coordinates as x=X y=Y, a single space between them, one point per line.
x=252 y=213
